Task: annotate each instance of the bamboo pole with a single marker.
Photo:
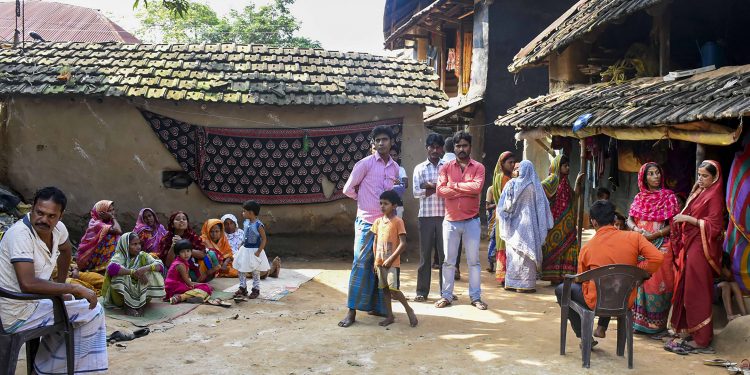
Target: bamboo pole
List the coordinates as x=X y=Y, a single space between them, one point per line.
x=582 y=192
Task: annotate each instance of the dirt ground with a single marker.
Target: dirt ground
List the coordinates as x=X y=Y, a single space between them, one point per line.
x=519 y=334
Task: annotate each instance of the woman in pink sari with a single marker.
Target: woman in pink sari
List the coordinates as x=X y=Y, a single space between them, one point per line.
x=697 y=245
x=149 y=230
x=98 y=243
x=650 y=214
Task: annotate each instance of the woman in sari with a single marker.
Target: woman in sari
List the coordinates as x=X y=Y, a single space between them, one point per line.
x=98 y=243
x=650 y=214
x=204 y=264
x=524 y=218
x=133 y=277
x=150 y=231
x=502 y=174
x=214 y=238
x=560 y=251
x=697 y=245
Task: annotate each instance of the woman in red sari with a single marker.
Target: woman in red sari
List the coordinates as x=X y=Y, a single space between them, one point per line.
x=650 y=214
x=204 y=264
x=697 y=247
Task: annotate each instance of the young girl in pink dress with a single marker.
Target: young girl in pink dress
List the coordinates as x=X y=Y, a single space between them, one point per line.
x=178 y=285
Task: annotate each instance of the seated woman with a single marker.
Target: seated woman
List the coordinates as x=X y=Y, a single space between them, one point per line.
x=133 y=277
x=150 y=231
x=179 y=287
x=204 y=264
x=234 y=235
x=214 y=238
x=98 y=243
x=88 y=280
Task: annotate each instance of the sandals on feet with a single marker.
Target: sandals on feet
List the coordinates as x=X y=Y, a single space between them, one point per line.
x=420 y=299
x=174 y=300
x=479 y=304
x=442 y=303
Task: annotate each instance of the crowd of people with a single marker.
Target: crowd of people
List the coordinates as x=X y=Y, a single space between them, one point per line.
x=533 y=236
x=127 y=269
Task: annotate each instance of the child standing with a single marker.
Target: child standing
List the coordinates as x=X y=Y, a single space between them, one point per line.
x=251 y=257
x=178 y=285
x=390 y=242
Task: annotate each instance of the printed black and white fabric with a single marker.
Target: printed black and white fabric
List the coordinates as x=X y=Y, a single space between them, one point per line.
x=271 y=166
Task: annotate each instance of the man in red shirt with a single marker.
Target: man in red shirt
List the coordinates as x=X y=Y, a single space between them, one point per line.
x=460 y=183
x=608 y=246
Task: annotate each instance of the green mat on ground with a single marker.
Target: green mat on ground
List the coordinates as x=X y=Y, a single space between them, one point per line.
x=158 y=311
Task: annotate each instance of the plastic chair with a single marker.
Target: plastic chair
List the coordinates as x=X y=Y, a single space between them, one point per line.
x=10 y=343
x=614 y=283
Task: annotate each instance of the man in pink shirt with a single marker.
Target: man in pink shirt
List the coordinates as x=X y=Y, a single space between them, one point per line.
x=460 y=183
x=370 y=177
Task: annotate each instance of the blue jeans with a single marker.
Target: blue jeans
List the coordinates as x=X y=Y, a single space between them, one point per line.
x=454 y=232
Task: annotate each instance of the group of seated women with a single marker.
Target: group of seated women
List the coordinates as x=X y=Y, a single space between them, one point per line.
x=135 y=264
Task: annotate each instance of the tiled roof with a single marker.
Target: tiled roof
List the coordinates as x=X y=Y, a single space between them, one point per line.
x=57 y=22
x=583 y=17
x=230 y=73
x=645 y=102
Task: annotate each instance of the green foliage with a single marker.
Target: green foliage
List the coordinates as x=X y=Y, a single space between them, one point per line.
x=175 y=7
x=269 y=24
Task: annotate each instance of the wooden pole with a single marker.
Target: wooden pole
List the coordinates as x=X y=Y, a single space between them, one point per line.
x=582 y=193
x=700 y=154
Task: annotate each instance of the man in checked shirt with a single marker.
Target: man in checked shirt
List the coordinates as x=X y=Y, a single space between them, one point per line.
x=431 y=213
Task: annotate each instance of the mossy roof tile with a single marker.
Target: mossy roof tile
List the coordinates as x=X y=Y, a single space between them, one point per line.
x=232 y=73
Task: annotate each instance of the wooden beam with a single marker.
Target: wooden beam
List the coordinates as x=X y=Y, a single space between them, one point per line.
x=443 y=18
x=545 y=147
x=466 y=15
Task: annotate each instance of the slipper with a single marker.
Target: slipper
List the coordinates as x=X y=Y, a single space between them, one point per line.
x=479 y=304
x=217 y=302
x=420 y=299
x=141 y=332
x=694 y=350
x=718 y=362
x=593 y=344
x=121 y=336
x=660 y=335
x=442 y=303
x=676 y=348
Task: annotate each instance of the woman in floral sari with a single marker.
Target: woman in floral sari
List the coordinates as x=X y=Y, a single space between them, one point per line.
x=213 y=237
x=133 y=277
x=98 y=243
x=502 y=174
x=150 y=231
x=560 y=251
x=697 y=245
x=204 y=264
x=650 y=214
